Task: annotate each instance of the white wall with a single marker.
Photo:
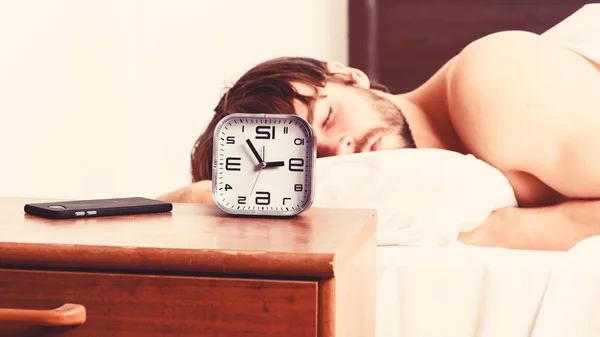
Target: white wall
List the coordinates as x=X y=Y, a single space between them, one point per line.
x=106 y=98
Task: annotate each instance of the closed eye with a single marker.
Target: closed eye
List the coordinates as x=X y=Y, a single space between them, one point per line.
x=328 y=116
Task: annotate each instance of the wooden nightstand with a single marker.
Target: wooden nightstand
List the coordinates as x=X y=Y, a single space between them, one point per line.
x=192 y=272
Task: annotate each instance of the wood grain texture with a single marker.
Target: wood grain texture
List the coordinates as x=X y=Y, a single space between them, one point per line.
x=415 y=38
x=193 y=272
x=347 y=301
x=191 y=239
x=145 y=305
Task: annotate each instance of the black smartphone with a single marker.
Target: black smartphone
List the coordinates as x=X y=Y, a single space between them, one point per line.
x=97 y=207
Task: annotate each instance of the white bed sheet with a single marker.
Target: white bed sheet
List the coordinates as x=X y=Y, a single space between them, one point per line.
x=479 y=291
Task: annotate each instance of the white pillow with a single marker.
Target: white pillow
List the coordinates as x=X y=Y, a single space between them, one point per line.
x=423 y=196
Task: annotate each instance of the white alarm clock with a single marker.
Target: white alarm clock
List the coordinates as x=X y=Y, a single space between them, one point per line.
x=263 y=164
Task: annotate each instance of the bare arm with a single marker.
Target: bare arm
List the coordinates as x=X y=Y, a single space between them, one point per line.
x=557 y=227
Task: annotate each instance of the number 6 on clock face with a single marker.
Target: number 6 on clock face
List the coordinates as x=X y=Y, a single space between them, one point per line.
x=263 y=164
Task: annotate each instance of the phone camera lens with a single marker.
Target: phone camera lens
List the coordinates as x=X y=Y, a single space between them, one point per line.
x=56 y=207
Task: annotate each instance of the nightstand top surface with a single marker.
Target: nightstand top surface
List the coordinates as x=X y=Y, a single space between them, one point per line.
x=191 y=239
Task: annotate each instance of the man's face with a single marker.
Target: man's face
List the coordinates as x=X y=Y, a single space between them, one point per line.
x=349 y=119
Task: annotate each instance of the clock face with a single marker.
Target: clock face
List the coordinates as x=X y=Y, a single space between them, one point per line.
x=263 y=164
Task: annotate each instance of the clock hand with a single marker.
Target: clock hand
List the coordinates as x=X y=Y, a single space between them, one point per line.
x=262 y=165
x=274 y=164
x=253 y=149
x=255 y=181
x=270 y=164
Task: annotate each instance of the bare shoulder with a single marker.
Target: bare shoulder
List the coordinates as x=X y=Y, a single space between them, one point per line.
x=524 y=102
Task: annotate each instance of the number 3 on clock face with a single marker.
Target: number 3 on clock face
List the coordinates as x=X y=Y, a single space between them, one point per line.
x=263 y=164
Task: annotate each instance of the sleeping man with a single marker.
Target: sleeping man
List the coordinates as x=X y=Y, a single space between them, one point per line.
x=527 y=104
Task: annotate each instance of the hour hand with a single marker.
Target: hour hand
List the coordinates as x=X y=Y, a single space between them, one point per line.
x=274 y=164
x=253 y=149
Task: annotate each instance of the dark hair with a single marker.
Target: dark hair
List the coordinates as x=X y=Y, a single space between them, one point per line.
x=266 y=88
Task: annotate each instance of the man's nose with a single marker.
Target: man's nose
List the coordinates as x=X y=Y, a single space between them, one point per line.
x=346 y=145
x=328 y=148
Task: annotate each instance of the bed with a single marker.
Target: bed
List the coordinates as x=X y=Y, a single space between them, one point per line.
x=428 y=283
x=475 y=291
x=457 y=290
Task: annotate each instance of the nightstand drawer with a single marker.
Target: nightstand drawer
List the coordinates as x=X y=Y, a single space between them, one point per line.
x=120 y=305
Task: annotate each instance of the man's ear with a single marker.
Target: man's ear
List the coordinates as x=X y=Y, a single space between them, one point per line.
x=349 y=74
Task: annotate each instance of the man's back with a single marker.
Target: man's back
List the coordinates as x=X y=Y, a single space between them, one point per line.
x=531 y=107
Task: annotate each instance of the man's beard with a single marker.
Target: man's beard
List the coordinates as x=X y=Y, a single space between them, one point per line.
x=394 y=120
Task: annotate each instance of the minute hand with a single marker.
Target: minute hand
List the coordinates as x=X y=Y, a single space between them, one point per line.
x=253 y=149
x=274 y=164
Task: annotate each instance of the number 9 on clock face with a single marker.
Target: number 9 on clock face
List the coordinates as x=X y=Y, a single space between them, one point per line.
x=263 y=164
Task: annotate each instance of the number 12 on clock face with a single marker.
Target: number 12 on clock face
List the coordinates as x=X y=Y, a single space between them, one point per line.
x=263 y=164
